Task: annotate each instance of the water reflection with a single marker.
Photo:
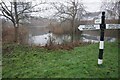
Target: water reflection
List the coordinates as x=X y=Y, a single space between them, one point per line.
x=40 y=39
x=46 y=38
x=59 y=39
x=95 y=39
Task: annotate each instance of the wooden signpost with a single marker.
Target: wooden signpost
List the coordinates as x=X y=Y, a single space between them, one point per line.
x=102 y=26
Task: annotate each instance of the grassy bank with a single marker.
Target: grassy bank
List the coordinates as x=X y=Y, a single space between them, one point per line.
x=81 y=62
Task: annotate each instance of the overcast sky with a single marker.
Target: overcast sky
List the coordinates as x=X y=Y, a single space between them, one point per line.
x=90 y=5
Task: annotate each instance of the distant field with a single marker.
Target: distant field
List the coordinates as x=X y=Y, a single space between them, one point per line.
x=25 y=62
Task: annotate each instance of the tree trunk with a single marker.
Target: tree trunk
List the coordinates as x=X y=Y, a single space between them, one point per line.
x=119 y=23
x=16 y=23
x=118 y=18
x=72 y=24
x=16 y=39
x=119 y=31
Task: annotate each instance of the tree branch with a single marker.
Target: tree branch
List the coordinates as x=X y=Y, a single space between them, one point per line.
x=7 y=16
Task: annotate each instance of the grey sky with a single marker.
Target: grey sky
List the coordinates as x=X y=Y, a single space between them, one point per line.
x=90 y=5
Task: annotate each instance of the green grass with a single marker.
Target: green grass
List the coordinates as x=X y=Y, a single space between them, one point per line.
x=26 y=62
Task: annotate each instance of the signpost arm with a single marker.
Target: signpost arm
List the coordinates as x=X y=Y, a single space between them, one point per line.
x=102 y=27
x=101 y=44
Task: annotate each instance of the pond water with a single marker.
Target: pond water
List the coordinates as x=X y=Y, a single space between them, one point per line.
x=44 y=39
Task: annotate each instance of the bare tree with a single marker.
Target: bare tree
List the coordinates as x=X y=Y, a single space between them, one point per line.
x=71 y=10
x=15 y=12
x=113 y=7
x=118 y=5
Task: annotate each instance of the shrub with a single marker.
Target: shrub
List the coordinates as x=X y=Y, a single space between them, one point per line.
x=8 y=34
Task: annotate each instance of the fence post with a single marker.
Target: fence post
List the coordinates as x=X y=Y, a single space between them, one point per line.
x=101 y=44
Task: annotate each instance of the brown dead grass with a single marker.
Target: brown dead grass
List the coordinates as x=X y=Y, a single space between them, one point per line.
x=66 y=46
x=8 y=34
x=60 y=28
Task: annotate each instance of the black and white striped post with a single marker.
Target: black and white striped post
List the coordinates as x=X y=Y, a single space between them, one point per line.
x=100 y=24
x=101 y=44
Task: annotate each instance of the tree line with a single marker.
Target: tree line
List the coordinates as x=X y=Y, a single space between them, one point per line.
x=72 y=11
